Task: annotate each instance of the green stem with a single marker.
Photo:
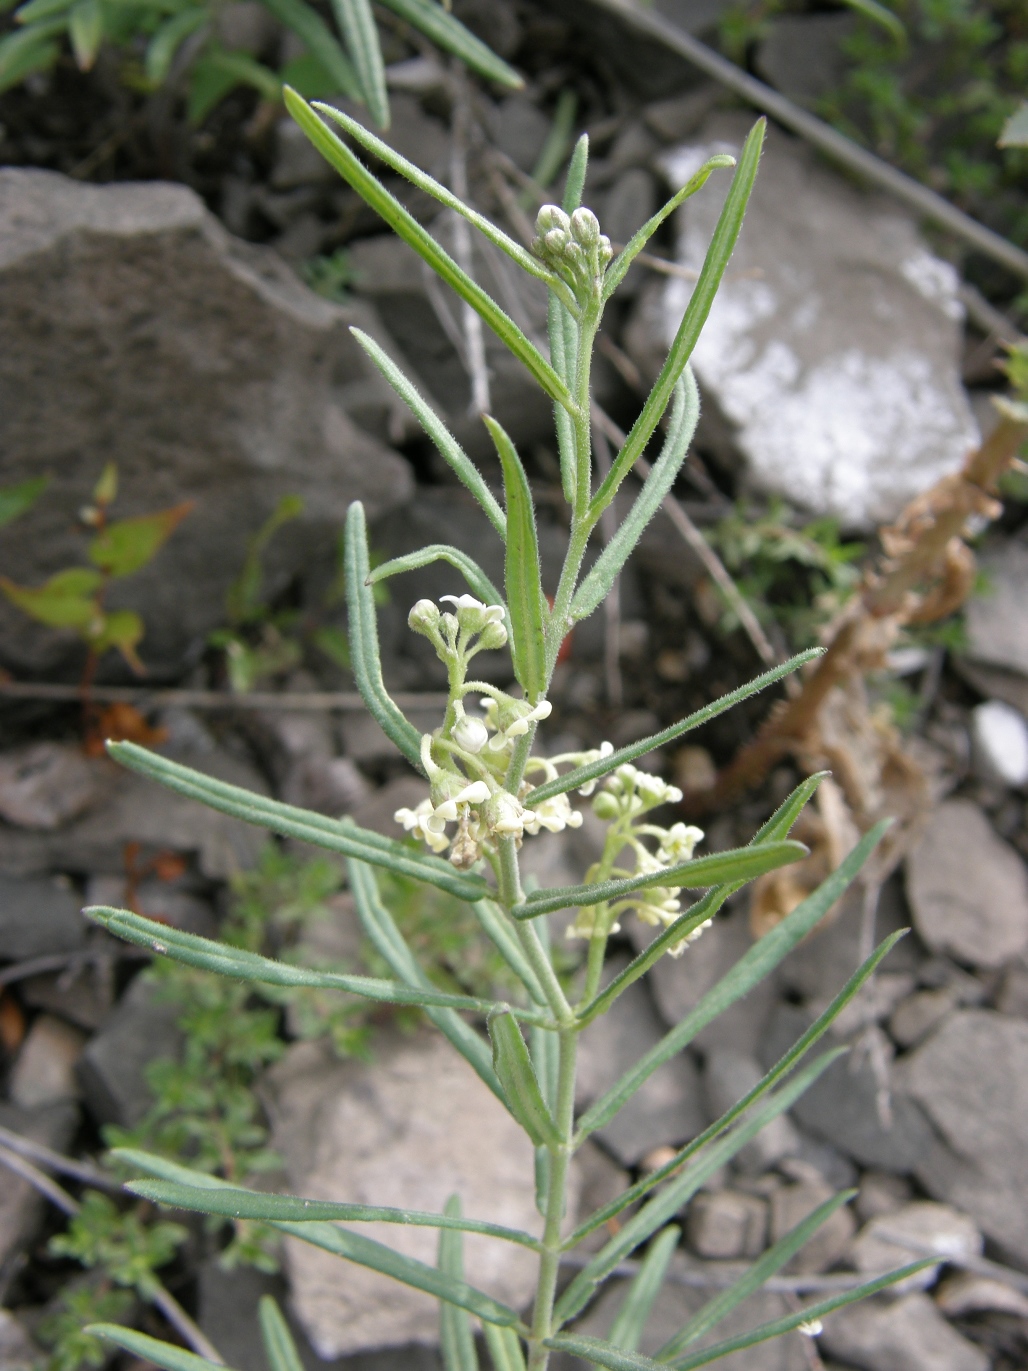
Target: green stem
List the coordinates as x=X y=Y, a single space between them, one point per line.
x=560 y=1161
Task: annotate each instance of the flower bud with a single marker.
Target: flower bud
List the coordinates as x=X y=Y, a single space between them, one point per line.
x=555 y=241
x=424 y=617
x=605 y=806
x=493 y=636
x=585 y=227
x=470 y=734
x=551 y=217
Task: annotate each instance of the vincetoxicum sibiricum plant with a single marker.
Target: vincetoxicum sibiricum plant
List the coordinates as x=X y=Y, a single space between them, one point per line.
x=489 y=794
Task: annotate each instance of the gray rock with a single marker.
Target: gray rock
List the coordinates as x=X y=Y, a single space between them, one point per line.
x=112 y=1070
x=881 y=1193
x=518 y=128
x=17 y=1350
x=728 y=1075
x=44 y=785
x=172 y=904
x=971 y=1079
x=626 y=206
x=968 y=889
x=833 y=345
x=202 y=366
x=727 y=1224
x=791 y=1204
x=38 y=918
x=44 y=1070
x=410 y=1129
x=997 y=622
x=802 y=54
x=879 y=1247
x=964 y=1293
x=84 y=997
x=666 y=1110
x=916 y=1016
x=999 y=743
x=21 y=1205
x=907 y=1334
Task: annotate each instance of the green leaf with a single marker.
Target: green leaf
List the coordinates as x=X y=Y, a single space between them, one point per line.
x=389 y=942
x=234 y=1202
x=749 y=970
x=67 y=600
x=357 y=25
x=881 y=15
x=785 y=1325
x=86 y=31
x=363 y=637
x=716 y=261
x=279 y=1347
x=751 y=1280
x=405 y=226
x=666 y=1203
x=152 y=1350
x=554 y=150
x=165 y=43
x=526 y=604
x=309 y=26
x=244 y=602
x=563 y=335
x=600 y=1353
x=1015 y=130
x=627 y=1329
x=572 y=780
x=456 y=1339
x=514 y=1070
x=34 y=49
x=120 y=628
x=129 y=545
x=217 y=72
x=781 y=821
x=498 y=930
x=449 y=33
x=105 y=492
x=684 y=418
x=504 y=1348
x=18 y=500
x=574 y=183
x=781 y=1068
x=451 y=451
x=476 y=578
x=736 y=864
x=617 y=270
x=335 y=835
x=36 y=10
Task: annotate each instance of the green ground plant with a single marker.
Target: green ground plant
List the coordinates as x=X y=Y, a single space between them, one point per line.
x=488 y=794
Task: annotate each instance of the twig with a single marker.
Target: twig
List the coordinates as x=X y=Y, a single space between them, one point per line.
x=346 y=701
x=65 y=961
x=53 y=1192
x=987 y=317
x=28 y=1147
x=160 y=1296
x=474 y=338
x=838 y=147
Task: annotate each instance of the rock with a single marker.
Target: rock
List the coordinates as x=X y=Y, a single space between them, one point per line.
x=728 y=1075
x=802 y=55
x=44 y=1072
x=842 y=1104
x=916 y=1016
x=17 y=1350
x=907 y=1334
x=403 y=792
x=791 y=1204
x=297 y=161
x=996 y=682
x=845 y=347
x=83 y=995
x=999 y=743
x=38 y=918
x=410 y=1129
x=881 y=1193
x=997 y=621
x=1013 y=995
x=112 y=1070
x=363 y=740
x=601 y=1180
x=727 y=1224
x=172 y=904
x=518 y=128
x=244 y=373
x=967 y=888
x=21 y=1205
x=971 y=1079
x=936 y=1227
x=44 y=785
x=494 y=21
x=666 y=1108
x=964 y=1293
x=299 y=748
x=626 y=206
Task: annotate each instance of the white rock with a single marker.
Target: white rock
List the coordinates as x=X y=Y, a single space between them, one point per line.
x=833 y=344
x=411 y=1128
x=999 y=736
x=915 y=1231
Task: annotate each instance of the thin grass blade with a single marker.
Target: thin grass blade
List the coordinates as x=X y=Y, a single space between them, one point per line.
x=152 y=1350
x=737 y=864
x=357 y=25
x=627 y=1329
x=758 y=962
x=456 y=1338
x=279 y=1347
x=363 y=637
x=405 y=226
x=572 y=780
x=441 y=552
x=448 y=33
x=448 y=447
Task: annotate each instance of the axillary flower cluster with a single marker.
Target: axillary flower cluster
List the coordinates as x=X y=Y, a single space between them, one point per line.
x=468 y=758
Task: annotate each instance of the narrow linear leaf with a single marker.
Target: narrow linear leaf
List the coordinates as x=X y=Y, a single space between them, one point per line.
x=364 y=652
x=618 y=269
x=772 y=1260
x=18 y=500
x=448 y=33
x=337 y=836
x=152 y=1350
x=514 y=1070
x=234 y=1202
x=494 y=924
x=448 y=447
x=684 y=418
x=752 y=967
x=574 y=183
x=572 y=780
x=504 y=1348
x=441 y=552
x=381 y=929
x=31 y=49
x=881 y=15
x=357 y=25
x=308 y=25
x=526 y=604
x=601 y=1353
x=782 y=820
x=86 y=31
x=563 y=335
x=627 y=1329
x=785 y=1325
x=279 y=1347
x=36 y=10
x=781 y=1069
x=716 y=261
x=456 y=1338
x=161 y=50
x=665 y=1204
x=737 y=864
x=405 y=226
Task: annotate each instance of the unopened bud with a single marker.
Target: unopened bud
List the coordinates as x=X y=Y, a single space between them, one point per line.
x=556 y=241
x=494 y=635
x=605 y=806
x=551 y=217
x=424 y=616
x=470 y=734
x=585 y=227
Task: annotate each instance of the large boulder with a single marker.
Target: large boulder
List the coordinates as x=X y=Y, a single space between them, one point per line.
x=136 y=330
x=833 y=345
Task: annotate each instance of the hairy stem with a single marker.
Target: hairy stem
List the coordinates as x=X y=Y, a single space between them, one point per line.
x=560 y=1161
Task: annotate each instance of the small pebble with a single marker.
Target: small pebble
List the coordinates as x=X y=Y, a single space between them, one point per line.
x=1000 y=739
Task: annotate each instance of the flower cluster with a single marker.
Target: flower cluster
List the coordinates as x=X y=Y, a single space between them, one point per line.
x=471 y=627
x=573 y=246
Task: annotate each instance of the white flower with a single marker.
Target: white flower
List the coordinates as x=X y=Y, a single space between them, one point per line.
x=679 y=843
x=476 y=793
x=812 y=1328
x=676 y=949
x=604 y=750
x=425 y=824
x=506 y=816
x=554 y=815
x=470 y=734
x=518 y=726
